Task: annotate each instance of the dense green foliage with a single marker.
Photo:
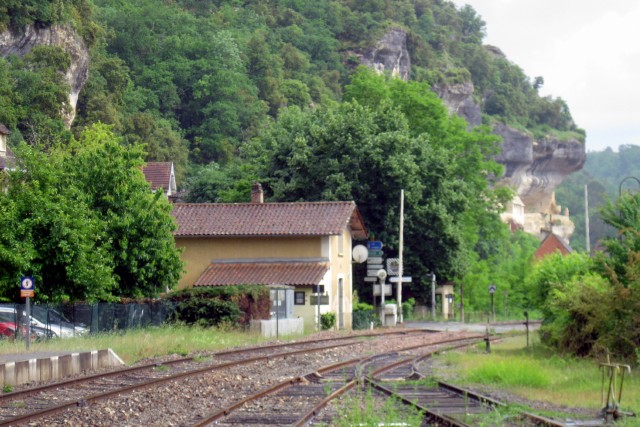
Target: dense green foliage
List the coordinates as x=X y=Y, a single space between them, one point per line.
x=233 y=92
x=204 y=76
x=367 y=150
x=16 y=14
x=507 y=265
x=33 y=95
x=364 y=315
x=83 y=221
x=592 y=305
x=210 y=306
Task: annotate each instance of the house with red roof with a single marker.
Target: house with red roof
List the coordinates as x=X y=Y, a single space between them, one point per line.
x=160 y=175
x=304 y=246
x=550 y=244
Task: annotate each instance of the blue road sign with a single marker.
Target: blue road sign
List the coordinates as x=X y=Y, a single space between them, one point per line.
x=26 y=283
x=374 y=245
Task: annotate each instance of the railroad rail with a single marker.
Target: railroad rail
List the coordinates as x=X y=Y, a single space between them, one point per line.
x=442 y=404
x=296 y=401
x=37 y=402
x=300 y=401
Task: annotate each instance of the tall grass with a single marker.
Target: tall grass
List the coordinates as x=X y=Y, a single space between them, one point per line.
x=137 y=344
x=362 y=408
x=536 y=373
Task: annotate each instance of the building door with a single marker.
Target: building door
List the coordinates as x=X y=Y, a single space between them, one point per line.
x=341 y=303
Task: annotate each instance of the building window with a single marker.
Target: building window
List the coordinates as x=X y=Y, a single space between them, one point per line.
x=341 y=245
x=299 y=298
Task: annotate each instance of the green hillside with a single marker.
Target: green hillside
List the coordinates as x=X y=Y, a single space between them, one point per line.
x=202 y=77
x=239 y=91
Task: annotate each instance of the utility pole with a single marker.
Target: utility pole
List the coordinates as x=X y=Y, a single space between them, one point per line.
x=401 y=241
x=586 y=218
x=433 y=296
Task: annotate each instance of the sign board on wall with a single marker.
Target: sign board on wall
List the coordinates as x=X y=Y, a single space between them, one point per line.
x=324 y=300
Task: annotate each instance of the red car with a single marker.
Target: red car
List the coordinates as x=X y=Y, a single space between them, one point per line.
x=8 y=329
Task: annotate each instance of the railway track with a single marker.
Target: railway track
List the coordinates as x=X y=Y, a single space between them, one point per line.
x=37 y=402
x=442 y=404
x=298 y=400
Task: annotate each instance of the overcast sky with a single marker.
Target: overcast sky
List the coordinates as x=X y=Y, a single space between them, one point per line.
x=588 y=53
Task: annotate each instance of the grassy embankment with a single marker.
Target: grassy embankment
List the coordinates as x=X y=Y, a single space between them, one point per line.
x=138 y=344
x=536 y=374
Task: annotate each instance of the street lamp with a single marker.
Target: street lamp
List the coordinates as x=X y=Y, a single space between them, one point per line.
x=622 y=182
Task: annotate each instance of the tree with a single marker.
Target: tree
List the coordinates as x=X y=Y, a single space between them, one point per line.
x=216 y=183
x=83 y=221
x=136 y=224
x=49 y=232
x=470 y=164
x=352 y=152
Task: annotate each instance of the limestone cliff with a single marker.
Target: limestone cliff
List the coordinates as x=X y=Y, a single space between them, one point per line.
x=22 y=42
x=534 y=168
x=390 y=54
x=459 y=100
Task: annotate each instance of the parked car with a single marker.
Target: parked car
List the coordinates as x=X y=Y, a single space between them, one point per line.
x=51 y=319
x=9 y=326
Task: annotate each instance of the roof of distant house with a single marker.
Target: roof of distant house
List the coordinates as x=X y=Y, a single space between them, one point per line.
x=268 y=219
x=4 y=130
x=550 y=244
x=158 y=174
x=263 y=272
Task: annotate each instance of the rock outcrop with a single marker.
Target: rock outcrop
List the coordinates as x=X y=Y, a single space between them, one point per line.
x=390 y=55
x=21 y=43
x=459 y=100
x=534 y=168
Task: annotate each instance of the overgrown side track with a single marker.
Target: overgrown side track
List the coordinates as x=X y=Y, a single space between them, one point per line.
x=442 y=404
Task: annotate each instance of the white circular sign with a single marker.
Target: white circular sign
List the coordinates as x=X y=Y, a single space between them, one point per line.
x=27 y=283
x=360 y=253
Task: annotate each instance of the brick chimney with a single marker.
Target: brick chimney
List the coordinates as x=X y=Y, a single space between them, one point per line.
x=257 y=196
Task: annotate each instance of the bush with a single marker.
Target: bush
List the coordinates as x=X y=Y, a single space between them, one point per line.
x=209 y=306
x=407 y=308
x=328 y=320
x=363 y=315
x=206 y=313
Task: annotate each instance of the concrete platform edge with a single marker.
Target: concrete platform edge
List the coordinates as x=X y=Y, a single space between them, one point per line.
x=47 y=368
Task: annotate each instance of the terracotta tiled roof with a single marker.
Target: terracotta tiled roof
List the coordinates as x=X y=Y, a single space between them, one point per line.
x=268 y=219
x=294 y=273
x=552 y=243
x=158 y=174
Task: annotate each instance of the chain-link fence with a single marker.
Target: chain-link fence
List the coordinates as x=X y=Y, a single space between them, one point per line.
x=49 y=321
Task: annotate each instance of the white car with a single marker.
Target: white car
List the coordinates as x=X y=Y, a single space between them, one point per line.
x=55 y=322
